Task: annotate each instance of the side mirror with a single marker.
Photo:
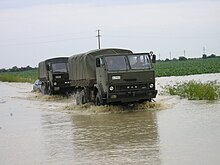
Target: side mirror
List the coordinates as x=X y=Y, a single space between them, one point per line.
x=98 y=63
x=153 y=58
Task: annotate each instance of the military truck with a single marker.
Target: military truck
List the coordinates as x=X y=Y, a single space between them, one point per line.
x=106 y=76
x=54 y=75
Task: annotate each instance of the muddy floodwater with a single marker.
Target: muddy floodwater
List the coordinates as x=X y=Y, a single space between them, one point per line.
x=36 y=129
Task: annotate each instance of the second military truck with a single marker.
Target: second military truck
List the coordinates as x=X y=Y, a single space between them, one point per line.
x=54 y=76
x=106 y=76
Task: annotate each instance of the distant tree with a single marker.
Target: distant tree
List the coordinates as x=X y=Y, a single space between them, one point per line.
x=212 y=56
x=14 y=69
x=174 y=59
x=181 y=58
x=3 y=70
x=167 y=59
x=204 y=56
x=28 y=68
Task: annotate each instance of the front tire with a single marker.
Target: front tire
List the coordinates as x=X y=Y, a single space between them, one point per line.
x=50 y=90
x=44 y=89
x=98 y=100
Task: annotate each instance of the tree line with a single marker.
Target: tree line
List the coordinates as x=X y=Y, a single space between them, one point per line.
x=17 y=69
x=183 y=58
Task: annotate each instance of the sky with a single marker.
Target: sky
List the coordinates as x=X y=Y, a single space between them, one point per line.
x=32 y=31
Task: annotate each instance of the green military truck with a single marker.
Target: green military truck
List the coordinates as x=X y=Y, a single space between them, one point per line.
x=106 y=76
x=54 y=76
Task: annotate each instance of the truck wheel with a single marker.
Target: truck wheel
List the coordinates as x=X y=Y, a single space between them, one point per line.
x=77 y=97
x=83 y=97
x=43 y=90
x=98 y=100
x=50 y=90
x=80 y=97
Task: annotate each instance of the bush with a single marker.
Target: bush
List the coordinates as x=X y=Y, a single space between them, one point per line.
x=195 y=90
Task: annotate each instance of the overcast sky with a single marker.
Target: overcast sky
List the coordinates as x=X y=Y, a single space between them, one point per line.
x=34 y=30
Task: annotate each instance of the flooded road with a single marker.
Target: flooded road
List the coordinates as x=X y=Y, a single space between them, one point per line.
x=37 y=129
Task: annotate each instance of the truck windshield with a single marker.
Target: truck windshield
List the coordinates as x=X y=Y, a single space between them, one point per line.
x=116 y=63
x=59 y=67
x=139 y=61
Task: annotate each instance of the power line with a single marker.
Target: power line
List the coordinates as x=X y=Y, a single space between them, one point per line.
x=44 y=42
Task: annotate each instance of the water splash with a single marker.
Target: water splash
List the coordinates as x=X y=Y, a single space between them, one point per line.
x=91 y=108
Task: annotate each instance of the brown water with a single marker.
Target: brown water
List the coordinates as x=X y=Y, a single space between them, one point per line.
x=52 y=130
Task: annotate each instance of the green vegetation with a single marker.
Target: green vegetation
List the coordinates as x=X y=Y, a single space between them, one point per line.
x=195 y=90
x=21 y=76
x=173 y=67
x=187 y=67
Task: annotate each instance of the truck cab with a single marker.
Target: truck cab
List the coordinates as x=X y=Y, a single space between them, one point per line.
x=125 y=78
x=54 y=74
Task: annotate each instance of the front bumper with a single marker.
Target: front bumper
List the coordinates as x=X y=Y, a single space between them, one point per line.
x=62 y=86
x=131 y=96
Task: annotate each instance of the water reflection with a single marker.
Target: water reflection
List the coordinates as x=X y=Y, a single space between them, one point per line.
x=102 y=139
x=57 y=129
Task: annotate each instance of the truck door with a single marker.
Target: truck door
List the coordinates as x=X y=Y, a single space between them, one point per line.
x=100 y=73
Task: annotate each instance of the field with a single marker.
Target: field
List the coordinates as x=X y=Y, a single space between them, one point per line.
x=162 y=68
x=188 y=67
x=22 y=76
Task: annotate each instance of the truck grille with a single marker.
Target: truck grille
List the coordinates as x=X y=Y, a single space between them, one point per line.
x=130 y=87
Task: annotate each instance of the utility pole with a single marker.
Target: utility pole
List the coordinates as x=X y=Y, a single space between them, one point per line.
x=203 y=49
x=184 y=53
x=170 y=55
x=98 y=36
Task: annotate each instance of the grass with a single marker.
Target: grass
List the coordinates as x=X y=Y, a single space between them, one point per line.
x=22 y=76
x=195 y=90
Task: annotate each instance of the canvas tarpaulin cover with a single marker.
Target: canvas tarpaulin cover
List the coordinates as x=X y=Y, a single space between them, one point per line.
x=83 y=66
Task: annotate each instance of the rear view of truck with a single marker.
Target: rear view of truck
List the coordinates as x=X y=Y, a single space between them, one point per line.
x=54 y=75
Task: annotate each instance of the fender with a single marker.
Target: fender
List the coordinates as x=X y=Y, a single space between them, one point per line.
x=99 y=89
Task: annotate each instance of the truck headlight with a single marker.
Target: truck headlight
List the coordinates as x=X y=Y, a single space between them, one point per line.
x=55 y=83
x=116 y=77
x=111 y=88
x=151 y=85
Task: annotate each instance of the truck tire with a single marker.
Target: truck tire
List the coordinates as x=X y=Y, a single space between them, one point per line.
x=80 y=97
x=98 y=100
x=77 y=98
x=50 y=90
x=44 y=89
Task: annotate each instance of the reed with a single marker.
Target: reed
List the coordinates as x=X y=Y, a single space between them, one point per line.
x=195 y=90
